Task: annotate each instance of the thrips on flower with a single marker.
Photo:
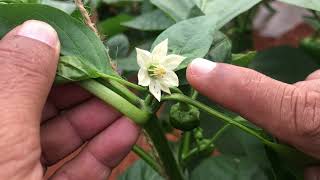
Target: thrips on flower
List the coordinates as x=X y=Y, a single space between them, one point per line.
x=157 y=69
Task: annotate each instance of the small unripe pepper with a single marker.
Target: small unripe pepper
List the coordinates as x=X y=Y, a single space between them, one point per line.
x=184 y=117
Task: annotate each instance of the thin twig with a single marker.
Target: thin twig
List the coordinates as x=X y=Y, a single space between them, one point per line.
x=86 y=16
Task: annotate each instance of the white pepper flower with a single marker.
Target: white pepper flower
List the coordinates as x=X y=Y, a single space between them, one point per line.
x=157 y=69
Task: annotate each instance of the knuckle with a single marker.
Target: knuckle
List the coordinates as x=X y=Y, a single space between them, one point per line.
x=252 y=82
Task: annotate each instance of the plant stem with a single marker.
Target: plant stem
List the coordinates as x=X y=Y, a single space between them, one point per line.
x=194 y=94
x=115 y=100
x=185 y=145
x=86 y=16
x=176 y=90
x=130 y=96
x=219 y=133
x=189 y=155
x=212 y=112
x=146 y=157
x=161 y=144
x=124 y=82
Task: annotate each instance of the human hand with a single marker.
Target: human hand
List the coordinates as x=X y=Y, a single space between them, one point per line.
x=31 y=139
x=289 y=112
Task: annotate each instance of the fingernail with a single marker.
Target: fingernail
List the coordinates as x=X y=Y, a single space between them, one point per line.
x=201 y=66
x=39 y=31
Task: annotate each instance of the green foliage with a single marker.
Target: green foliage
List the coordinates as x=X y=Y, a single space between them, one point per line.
x=146 y=22
x=228 y=168
x=118 y=1
x=284 y=64
x=311 y=46
x=72 y=68
x=193 y=43
x=177 y=10
x=225 y=8
x=220 y=50
x=243 y=59
x=76 y=39
x=140 y=170
x=211 y=29
x=118 y=46
x=112 y=26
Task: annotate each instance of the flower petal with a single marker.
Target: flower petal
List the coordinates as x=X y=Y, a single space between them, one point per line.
x=165 y=88
x=161 y=49
x=170 y=79
x=143 y=77
x=143 y=58
x=172 y=61
x=155 y=89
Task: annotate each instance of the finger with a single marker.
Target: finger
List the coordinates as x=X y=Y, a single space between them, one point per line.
x=102 y=153
x=310 y=85
x=67 y=95
x=282 y=109
x=314 y=75
x=28 y=59
x=67 y=132
x=312 y=173
x=63 y=97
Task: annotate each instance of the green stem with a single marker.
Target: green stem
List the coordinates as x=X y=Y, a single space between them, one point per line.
x=212 y=112
x=130 y=96
x=185 y=145
x=115 y=100
x=176 y=90
x=146 y=157
x=186 y=157
x=219 y=133
x=194 y=94
x=161 y=144
x=122 y=81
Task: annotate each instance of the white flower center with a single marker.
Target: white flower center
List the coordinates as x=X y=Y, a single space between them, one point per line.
x=156 y=71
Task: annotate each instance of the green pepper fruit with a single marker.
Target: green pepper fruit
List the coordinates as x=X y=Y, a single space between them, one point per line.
x=311 y=46
x=184 y=117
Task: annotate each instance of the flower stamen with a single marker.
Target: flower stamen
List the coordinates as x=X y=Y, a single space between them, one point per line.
x=156 y=71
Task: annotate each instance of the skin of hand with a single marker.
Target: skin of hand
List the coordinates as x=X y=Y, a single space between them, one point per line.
x=291 y=112
x=41 y=124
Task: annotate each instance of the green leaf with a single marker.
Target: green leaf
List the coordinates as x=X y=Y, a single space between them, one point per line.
x=129 y=64
x=191 y=38
x=118 y=1
x=71 y=68
x=76 y=38
x=140 y=171
x=152 y=21
x=285 y=64
x=291 y=159
x=112 y=26
x=220 y=50
x=228 y=168
x=310 y=4
x=176 y=9
x=225 y=8
x=118 y=46
x=65 y=6
x=243 y=59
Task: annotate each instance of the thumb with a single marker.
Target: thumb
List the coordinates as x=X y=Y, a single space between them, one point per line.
x=28 y=59
x=282 y=109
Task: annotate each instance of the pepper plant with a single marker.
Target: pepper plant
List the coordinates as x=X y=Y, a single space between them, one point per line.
x=155 y=40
